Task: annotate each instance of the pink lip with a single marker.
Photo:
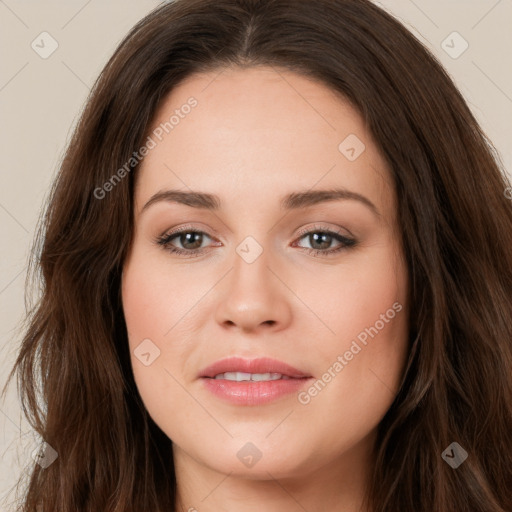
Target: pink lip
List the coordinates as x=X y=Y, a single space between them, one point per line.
x=249 y=392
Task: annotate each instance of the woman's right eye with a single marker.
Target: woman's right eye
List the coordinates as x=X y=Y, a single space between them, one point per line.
x=184 y=237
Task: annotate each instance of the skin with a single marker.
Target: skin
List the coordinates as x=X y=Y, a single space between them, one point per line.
x=256 y=135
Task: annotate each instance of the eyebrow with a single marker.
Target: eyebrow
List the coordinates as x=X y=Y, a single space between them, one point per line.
x=293 y=201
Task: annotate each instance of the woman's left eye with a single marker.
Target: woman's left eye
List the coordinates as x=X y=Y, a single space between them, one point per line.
x=323 y=238
x=192 y=241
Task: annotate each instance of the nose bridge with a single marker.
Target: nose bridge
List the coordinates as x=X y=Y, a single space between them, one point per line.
x=253 y=295
x=251 y=275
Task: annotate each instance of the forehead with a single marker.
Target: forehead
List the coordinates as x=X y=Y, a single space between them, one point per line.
x=258 y=130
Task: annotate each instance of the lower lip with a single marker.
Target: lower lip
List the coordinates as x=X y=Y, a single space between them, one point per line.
x=254 y=393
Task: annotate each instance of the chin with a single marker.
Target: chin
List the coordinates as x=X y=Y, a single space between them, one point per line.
x=258 y=460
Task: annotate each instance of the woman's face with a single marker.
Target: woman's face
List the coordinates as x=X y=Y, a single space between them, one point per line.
x=272 y=271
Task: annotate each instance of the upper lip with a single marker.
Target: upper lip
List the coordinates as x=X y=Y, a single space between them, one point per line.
x=259 y=365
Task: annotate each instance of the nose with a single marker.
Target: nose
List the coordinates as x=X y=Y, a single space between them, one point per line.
x=254 y=297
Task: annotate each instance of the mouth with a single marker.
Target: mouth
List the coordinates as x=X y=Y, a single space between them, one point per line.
x=262 y=368
x=254 y=377
x=252 y=382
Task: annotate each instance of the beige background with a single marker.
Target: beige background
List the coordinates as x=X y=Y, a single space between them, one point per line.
x=40 y=100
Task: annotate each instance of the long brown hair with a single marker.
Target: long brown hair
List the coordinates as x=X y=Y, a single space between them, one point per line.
x=455 y=220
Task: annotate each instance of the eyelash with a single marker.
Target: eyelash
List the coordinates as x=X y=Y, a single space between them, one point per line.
x=165 y=240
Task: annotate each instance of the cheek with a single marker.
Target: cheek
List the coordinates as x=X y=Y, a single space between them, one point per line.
x=155 y=302
x=157 y=298
x=379 y=306
x=364 y=359
x=358 y=295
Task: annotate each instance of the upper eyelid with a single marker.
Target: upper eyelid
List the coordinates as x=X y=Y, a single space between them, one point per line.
x=316 y=228
x=302 y=232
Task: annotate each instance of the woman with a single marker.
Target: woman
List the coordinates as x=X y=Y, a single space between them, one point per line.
x=369 y=370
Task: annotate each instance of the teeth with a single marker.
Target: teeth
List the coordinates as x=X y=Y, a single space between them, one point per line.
x=256 y=377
